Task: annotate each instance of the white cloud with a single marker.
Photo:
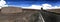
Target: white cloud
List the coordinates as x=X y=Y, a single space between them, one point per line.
x=45 y=6
x=33 y=7
x=2 y=4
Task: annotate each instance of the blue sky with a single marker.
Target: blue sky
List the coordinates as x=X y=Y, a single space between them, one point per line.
x=32 y=2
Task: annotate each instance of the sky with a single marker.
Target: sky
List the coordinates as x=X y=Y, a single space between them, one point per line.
x=33 y=3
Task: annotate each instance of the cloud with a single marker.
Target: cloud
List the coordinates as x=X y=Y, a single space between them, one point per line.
x=33 y=7
x=2 y=4
x=44 y=6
